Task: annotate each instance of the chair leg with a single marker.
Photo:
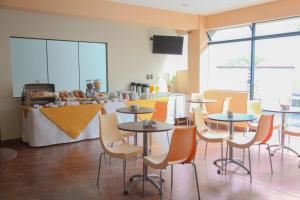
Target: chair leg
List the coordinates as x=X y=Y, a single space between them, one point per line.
x=250 y=170
x=124 y=175
x=144 y=177
x=222 y=156
x=196 y=148
x=270 y=157
x=205 y=149
x=243 y=155
x=226 y=158
x=282 y=148
x=196 y=176
x=171 y=177
x=160 y=183
x=168 y=138
x=259 y=149
x=100 y=158
x=112 y=144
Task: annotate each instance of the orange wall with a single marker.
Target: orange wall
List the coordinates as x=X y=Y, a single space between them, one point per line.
x=108 y=10
x=263 y=12
x=197 y=44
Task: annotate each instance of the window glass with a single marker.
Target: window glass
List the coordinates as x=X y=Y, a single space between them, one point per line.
x=230 y=33
x=229 y=66
x=278 y=26
x=277 y=72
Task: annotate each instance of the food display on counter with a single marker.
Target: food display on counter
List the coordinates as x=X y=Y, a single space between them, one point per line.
x=64 y=95
x=43 y=95
x=79 y=94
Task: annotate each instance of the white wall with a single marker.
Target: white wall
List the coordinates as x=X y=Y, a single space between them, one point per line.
x=129 y=53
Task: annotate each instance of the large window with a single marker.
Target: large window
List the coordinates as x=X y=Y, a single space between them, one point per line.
x=262 y=58
x=230 y=70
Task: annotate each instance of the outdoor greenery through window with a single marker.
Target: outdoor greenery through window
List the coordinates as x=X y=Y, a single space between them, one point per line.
x=261 y=58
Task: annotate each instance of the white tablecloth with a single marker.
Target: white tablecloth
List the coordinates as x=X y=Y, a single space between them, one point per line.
x=38 y=130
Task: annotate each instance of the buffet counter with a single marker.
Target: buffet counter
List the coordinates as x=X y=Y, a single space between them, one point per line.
x=48 y=126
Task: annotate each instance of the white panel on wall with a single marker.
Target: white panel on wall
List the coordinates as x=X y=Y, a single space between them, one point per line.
x=92 y=59
x=28 y=61
x=63 y=66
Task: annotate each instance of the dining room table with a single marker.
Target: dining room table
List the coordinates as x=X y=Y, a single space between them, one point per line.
x=139 y=126
x=231 y=119
x=201 y=102
x=283 y=113
x=135 y=112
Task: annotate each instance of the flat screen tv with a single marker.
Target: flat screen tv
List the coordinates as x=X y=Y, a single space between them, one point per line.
x=167 y=44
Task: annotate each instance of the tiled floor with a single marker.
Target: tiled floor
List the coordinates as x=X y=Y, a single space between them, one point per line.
x=69 y=172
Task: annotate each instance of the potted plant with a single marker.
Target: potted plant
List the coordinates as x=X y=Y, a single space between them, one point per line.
x=169 y=79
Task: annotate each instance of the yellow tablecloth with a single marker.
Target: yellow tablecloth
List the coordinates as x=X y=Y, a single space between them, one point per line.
x=146 y=103
x=72 y=119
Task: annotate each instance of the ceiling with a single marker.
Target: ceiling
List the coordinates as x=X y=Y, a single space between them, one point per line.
x=199 y=7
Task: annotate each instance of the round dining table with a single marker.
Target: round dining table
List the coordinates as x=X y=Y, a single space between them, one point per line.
x=236 y=117
x=135 y=112
x=201 y=101
x=139 y=127
x=283 y=112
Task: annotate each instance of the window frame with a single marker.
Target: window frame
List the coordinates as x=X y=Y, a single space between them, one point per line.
x=253 y=40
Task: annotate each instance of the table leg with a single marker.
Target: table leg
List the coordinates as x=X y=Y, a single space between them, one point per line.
x=231 y=158
x=139 y=177
x=282 y=143
x=136 y=134
x=282 y=132
x=231 y=137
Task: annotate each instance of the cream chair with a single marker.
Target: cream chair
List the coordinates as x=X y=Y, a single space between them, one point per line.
x=110 y=134
x=191 y=106
x=182 y=151
x=111 y=108
x=254 y=107
x=207 y=136
x=262 y=135
x=225 y=109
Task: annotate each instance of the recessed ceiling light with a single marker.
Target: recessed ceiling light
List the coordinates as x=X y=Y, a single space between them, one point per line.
x=184 y=5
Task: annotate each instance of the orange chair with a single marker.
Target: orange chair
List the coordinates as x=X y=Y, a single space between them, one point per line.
x=262 y=136
x=160 y=114
x=293 y=131
x=182 y=151
x=254 y=107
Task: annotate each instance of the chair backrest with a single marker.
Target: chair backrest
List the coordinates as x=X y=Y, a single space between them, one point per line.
x=238 y=102
x=161 y=110
x=196 y=96
x=183 y=145
x=109 y=131
x=111 y=107
x=226 y=105
x=254 y=107
x=264 y=128
x=199 y=120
